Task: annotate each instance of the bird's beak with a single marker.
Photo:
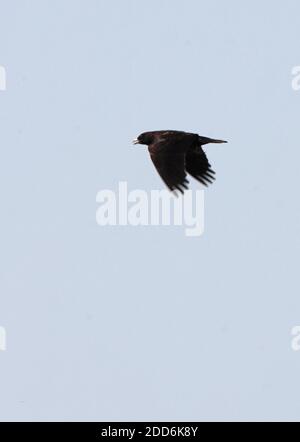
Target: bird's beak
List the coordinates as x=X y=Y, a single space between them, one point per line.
x=135 y=141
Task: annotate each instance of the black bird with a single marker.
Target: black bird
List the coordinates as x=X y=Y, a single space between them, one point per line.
x=175 y=153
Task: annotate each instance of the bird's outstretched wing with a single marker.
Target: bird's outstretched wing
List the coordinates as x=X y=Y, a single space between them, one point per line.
x=197 y=165
x=168 y=156
x=171 y=169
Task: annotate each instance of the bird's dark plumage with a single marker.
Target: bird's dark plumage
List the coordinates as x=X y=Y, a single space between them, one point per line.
x=175 y=153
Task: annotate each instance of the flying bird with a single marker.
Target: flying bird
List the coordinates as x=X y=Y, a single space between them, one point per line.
x=176 y=154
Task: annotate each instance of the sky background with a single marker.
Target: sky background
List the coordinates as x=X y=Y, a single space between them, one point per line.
x=132 y=323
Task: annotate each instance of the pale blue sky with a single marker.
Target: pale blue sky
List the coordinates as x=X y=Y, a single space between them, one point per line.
x=145 y=323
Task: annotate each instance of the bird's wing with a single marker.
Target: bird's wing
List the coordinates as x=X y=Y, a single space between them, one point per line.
x=171 y=168
x=168 y=153
x=197 y=165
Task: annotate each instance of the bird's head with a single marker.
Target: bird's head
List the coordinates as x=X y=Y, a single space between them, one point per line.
x=145 y=138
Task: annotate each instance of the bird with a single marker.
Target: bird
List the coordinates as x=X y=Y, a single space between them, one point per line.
x=175 y=154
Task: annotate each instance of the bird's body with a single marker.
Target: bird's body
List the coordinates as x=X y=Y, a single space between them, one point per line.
x=175 y=153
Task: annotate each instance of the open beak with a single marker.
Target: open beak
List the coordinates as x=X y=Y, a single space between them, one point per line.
x=135 y=141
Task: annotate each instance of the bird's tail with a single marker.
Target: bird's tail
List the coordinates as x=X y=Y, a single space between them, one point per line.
x=205 y=140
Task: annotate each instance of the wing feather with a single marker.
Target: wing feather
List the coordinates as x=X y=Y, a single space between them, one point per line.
x=171 y=168
x=197 y=165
